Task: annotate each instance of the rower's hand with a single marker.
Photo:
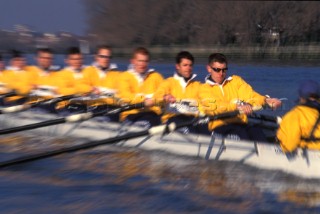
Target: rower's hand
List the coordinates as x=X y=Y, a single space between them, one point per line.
x=95 y=91
x=148 y=102
x=245 y=108
x=274 y=103
x=168 y=98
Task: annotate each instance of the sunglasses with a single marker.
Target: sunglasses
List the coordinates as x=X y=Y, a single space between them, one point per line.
x=105 y=57
x=219 y=69
x=42 y=57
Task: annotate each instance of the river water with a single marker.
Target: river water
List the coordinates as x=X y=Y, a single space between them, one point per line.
x=119 y=180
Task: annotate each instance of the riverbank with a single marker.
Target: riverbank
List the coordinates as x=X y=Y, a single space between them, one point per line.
x=302 y=52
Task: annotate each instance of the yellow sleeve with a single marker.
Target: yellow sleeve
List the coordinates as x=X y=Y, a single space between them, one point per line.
x=210 y=105
x=68 y=84
x=111 y=80
x=289 y=132
x=90 y=76
x=164 y=88
x=129 y=89
x=21 y=82
x=247 y=94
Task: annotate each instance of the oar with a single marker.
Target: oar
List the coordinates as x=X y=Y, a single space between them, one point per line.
x=152 y=131
x=70 y=119
x=8 y=94
x=26 y=106
x=264 y=117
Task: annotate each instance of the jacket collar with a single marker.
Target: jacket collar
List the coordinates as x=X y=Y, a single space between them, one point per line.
x=75 y=70
x=12 y=68
x=183 y=80
x=111 y=67
x=141 y=77
x=210 y=81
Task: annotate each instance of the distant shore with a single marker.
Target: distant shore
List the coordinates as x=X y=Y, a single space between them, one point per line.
x=301 y=52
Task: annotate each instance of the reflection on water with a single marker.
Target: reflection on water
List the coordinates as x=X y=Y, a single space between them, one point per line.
x=121 y=180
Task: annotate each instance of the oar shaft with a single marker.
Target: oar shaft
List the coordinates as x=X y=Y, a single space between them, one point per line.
x=32 y=126
x=9 y=94
x=89 y=145
x=71 y=118
x=152 y=131
x=23 y=107
x=265 y=117
x=224 y=115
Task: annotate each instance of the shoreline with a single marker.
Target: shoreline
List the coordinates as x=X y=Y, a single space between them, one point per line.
x=300 y=53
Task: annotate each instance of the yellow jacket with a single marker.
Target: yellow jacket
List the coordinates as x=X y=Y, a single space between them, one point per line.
x=37 y=73
x=297 y=124
x=180 y=89
x=216 y=99
x=104 y=80
x=3 y=85
x=19 y=80
x=135 y=88
x=71 y=82
x=93 y=76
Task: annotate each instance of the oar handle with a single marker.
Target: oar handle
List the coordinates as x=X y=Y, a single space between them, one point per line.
x=270 y=118
x=54 y=100
x=23 y=107
x=224 y=115
x=9 y=94
x=107 y=112
x=120 y=109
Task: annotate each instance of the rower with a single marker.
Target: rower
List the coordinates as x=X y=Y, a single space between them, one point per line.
x=180 y=94
x=44 y=64
x=72 y=74
x=2 y=65
x=222 y=94
x=53 y=83
x=16 y=78
x=3 y=89
x=101 y=76
x=138 y=84
x=70 y=80
x=300 y=127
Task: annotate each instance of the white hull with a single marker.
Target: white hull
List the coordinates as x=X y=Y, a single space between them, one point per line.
x=261 y=155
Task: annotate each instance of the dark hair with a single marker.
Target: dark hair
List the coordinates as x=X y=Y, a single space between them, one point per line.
x=73 y=50
x=184 y=55
x=44 y=50
x=140 y=50
x=101 y=47
x=16 y=54
x=1 y=59
x=217 y=57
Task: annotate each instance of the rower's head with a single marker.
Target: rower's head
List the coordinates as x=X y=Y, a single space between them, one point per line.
x=140 y=60
x=309 y=90
x=103 y=56
x=184 y=64
x=1 y=63
x=217 y=67
x=74 y=58
x=17 y=60
x=44 y=58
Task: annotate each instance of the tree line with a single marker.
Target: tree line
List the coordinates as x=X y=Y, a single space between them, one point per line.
x=203 y=22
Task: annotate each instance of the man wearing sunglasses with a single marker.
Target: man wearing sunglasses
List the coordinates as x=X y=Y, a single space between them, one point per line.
x=221 y=93
x=101 y=76
x=101 y=68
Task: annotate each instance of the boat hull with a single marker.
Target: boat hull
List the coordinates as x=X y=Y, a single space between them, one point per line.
x=305 y=163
